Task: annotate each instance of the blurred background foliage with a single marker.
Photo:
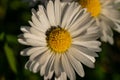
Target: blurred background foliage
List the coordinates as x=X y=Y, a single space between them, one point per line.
x=13 y=14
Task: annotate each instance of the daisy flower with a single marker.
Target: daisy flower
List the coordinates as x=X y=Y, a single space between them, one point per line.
x=62 y=37
x=106 y=14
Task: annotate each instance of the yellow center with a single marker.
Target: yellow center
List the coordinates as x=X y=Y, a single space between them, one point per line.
x=93 y=6
x=59 y=40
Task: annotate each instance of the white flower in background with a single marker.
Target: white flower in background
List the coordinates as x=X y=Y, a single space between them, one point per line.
x=106 y=14
x=62 y=38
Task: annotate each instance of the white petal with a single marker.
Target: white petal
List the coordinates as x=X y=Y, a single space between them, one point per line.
x=31 y=65
x=38 y=53
x=80 y=28
x=37 y=22
x=107 y=34
x=48 y=71
x=50 y=75
x=40 y=27
x=81 y=17
x=67 y=13
x=82 y=58
x=22 y=41
x=36 y=67
x=88 y=37
x=32 y=36
x=25 y=29
x=73 y=16
x=42 y=59
x=27 y=65
x=43 y=67
x=88 y=56
x=34 y=42
x=67 y=67
x=106 y=11
x=76 y=65
x=92 y=45
x=94 y=30
x=51 y=13
x=117 y=27
x=30 y=50
x=57 y=65
x=37 y=32
x=58 y=12
x=62 y=76
x=43 y=17
x=85 y=50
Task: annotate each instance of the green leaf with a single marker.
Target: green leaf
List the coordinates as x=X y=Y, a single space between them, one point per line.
x=11 y=39
x=100 y=72
x=2 y=36
x=11 y=57
x=116 y=76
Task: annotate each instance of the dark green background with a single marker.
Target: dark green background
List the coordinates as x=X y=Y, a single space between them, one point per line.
x=16 y=13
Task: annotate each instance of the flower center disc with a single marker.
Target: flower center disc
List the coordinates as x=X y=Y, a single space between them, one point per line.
x=93 y=6
x=59 y=40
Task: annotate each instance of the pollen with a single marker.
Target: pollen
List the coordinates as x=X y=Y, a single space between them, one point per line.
x=93 y=6
x=59 y=40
